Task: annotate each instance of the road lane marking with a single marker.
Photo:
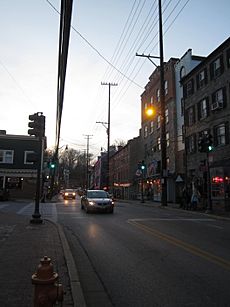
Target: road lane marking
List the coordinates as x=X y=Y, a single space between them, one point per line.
x=186 y=246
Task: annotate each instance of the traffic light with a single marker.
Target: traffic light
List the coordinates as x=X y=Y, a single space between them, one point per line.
x=201 y=144
x=52 y=165
x=143 y=166
x=37 y=124
x=205 y=143
x=210 y=142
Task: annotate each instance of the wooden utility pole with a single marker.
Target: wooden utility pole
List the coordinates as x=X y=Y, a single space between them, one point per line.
x=108 y=130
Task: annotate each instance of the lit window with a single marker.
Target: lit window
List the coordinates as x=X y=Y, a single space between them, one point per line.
x=146 y=132
x=151 y=127
x=166 y=116
x=167 y=139
x=159 y=143
x=166 y=87
x=151 y=100
x=158 y=121
x=158 y=94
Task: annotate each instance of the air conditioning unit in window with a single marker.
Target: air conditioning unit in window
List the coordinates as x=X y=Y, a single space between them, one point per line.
x=217 y=105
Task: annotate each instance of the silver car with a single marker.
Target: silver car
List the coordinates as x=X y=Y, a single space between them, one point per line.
x=97 y=200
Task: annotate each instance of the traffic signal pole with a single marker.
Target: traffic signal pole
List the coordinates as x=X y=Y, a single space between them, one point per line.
x=209 y=199
x=36 y=217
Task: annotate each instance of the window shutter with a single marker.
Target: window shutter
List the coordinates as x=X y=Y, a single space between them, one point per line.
x=199 y=109
x=208 y=106
x=221 y=64
x=215 y=136
x=197 y=82
x=211 y=67
x=227 y=132
x=205 y=76
x=185 y=90
x=224 y=97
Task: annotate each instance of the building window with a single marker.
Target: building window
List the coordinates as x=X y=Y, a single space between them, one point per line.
x=146 y=132
x=220 y=134
x=167 y=164
x=192 y=143
x=201 y=78
x=182 y=72
x=190 y=88
x=151 y=100
x=191 y=116
x=158 y=121
x=145 y=106
x=203 y=108
x=167 y=116
x=151 y=126
x=228 y=57
x=159 y=143
x=26 y=153
x=218 y=100
x=6 y=156
x=166 y=87
x=216 y=67
x=158 y=94
x=167 y=139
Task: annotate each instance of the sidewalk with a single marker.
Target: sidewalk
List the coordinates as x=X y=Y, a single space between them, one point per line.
x=22 y=245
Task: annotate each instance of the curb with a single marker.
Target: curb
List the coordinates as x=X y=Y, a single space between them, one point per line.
x=76 y=289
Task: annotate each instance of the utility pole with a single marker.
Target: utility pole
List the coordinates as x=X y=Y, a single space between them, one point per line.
x=108 y=130
x=162 y=111
x=87 y=160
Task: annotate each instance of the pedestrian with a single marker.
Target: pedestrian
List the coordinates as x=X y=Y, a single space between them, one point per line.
x=186 y=198
x=195 y=199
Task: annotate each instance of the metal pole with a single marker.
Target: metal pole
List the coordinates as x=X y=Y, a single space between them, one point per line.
x=163 y=130
x=209 y=200
x=36 y=217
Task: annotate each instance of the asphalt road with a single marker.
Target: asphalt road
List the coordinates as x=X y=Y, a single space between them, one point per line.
x=149 y=256
x=145 y=255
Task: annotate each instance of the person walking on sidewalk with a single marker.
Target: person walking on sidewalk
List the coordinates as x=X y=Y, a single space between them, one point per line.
x=195 y=199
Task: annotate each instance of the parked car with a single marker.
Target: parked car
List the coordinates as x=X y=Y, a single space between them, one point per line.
x=69 y=194
x=97 y=200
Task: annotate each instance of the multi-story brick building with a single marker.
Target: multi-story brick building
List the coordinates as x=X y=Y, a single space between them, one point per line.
x=206 y=94
x=151 y=131
x=123 y=166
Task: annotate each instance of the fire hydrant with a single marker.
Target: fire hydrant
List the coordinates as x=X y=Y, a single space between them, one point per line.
x=47 y=290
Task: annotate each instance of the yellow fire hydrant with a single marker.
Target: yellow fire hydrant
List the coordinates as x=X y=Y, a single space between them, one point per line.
x=47 y=290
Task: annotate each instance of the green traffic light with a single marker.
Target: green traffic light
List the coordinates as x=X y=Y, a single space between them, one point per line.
x=210 y=148
x=52 y=165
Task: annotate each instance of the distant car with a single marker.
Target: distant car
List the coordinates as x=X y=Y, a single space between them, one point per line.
x=97 y=200
x=69 y=194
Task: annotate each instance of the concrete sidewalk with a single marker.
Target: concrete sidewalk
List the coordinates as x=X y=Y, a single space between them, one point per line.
x=22 y=245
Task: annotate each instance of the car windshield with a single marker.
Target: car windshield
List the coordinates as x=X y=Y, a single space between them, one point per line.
x=97 y=194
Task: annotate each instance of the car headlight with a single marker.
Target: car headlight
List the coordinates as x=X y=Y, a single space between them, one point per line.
x=66 y=194
x=74 y=194
x=91 y=203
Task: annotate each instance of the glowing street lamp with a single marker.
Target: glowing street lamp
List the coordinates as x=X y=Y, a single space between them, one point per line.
x=150 y=112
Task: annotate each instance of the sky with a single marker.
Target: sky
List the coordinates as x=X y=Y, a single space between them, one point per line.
x=105 y=37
